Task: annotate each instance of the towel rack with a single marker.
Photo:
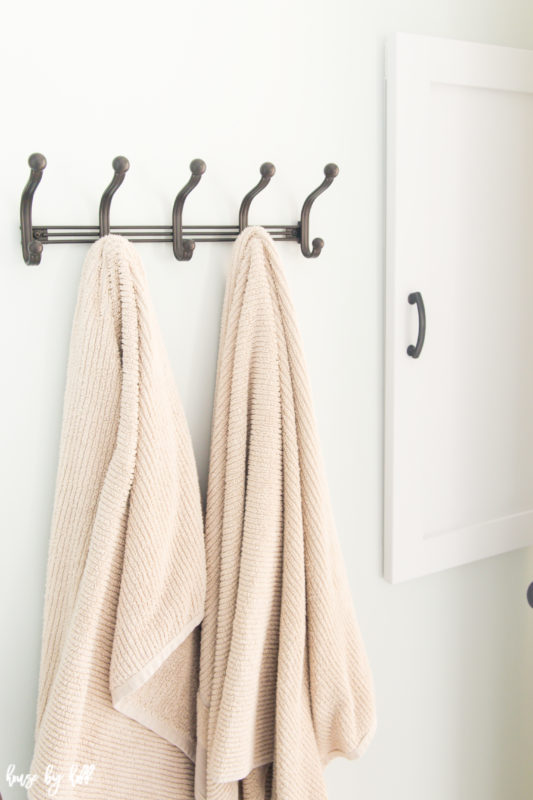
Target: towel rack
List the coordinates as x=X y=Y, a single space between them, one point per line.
x=34 y=237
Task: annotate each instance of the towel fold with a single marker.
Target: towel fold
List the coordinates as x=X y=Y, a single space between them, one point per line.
x=126 y=570
x=284 y=680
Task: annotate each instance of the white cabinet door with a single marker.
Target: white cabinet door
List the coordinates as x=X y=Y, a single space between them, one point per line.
x=459 y=418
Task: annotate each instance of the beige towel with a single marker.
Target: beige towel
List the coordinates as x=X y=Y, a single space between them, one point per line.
x=284 y=680
x=126 y=571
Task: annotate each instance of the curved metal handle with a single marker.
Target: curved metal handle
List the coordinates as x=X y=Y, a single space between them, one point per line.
x=330 y=171
x=184 y=248
x=414 y=350
x=267 y=170
x=31 y=248
x=530 y=595
x=121 y=165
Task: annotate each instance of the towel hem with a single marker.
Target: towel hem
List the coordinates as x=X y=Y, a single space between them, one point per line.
x=356 y=752
x=123 y=701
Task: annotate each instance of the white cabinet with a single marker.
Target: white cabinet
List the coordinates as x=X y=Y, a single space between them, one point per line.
x=458 y=419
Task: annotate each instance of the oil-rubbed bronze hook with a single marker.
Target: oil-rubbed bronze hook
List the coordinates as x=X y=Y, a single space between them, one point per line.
x=267 y=170
x=330 y=171
x=121 y=165
x=184 y=248
x=31 y=248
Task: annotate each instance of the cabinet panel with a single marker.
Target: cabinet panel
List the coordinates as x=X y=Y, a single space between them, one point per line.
x=459 y=419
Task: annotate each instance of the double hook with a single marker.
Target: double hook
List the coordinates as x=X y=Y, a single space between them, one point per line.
x=330 y=171
x=32 y=238
x=184 y=248
x=120 y=166
x=31 y=248
x=267 y=170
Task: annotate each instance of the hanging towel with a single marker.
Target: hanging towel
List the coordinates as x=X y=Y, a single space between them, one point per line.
x=284 y=680
x=126 y=569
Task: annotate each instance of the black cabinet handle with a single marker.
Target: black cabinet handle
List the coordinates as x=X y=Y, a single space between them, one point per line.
x=414 y=350
x=530 y=595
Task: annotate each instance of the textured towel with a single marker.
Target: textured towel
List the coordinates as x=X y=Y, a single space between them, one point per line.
x=126 y=569
x=284 y=679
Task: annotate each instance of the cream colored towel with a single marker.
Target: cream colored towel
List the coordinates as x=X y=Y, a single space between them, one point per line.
x=284 y=681
x=126 y=570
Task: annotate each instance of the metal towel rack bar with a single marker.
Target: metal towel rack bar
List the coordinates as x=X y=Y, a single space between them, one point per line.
x=34 y=237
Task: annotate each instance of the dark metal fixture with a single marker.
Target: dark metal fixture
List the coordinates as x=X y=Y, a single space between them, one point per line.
x=267 y=170
x=121 y=165
x=415 y=298
x=330 y=171
x=184 y=248
x=35 y=236
x=31 y=247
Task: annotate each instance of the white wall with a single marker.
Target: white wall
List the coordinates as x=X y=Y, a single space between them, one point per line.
x=300 y=83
